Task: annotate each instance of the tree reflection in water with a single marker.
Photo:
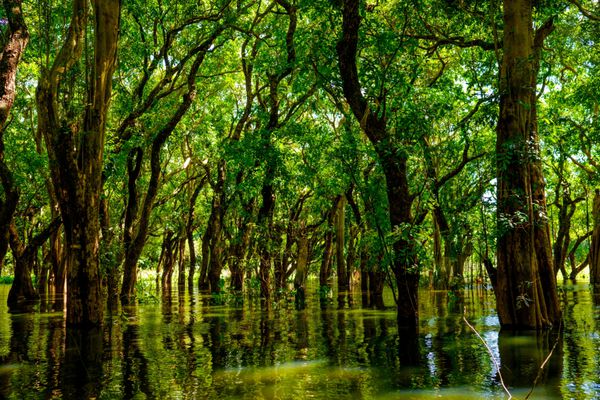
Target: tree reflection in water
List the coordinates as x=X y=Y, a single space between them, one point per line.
x=189 y=347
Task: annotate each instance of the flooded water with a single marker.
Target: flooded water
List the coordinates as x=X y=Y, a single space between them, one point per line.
x=186 y=348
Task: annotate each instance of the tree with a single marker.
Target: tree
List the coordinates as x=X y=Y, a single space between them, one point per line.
x=526 y=284
x=14 y=42
x=374 y=120
x=75 y=150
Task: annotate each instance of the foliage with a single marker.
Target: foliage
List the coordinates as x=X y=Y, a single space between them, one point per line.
x=430 y=68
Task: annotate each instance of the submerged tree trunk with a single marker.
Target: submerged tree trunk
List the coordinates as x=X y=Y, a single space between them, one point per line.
x=526 y=287
x=272 y=109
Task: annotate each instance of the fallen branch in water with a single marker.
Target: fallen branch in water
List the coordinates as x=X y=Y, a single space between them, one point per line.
x=497 y=364
x=494 y=360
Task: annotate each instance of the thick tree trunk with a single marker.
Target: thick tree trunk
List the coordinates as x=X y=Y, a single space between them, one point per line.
x=376 y=283
x=458 y=263
x=594 y=256
x=526 y=288
x=21 y=290
x=76 y=151
x=15 y=41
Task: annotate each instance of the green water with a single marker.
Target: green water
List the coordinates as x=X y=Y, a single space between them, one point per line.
x=187 y=349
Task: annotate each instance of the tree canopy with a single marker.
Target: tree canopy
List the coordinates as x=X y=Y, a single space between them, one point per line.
x=247 y=145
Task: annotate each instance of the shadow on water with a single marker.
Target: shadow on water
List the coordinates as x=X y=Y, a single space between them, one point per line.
x=189 y=347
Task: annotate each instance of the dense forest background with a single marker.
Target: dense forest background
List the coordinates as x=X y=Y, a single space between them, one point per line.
x=246 y=145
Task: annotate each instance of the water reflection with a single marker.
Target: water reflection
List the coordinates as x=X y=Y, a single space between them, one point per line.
x=190 y=348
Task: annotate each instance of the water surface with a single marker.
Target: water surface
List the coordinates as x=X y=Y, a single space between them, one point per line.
x=187 y=347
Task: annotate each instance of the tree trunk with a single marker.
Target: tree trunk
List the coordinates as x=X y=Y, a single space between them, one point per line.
x=393 y=161
x=22 y=289
x=594 y=257
x=76 y=153
x=134 y=167
x=239 y=254
x=441 y=273
x=15 y=41
x=206 y=238
x=170 y=251
x=526 y=288
x=215 y=265
x=376 y=283
x=110 y=260
x=325 y=269
x=181 y=263
x=353 y=241
x=301 y=270
x=265 y=213
x=190 y=234
x=340 y=231
x=265 y=221
x=364 y=280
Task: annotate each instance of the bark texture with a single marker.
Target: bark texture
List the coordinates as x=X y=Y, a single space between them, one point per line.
x=75 y=152
x=526 y=287
x=594 y=257
x=13 y=46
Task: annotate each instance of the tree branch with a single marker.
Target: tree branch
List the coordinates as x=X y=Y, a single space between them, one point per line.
x=585 y=12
